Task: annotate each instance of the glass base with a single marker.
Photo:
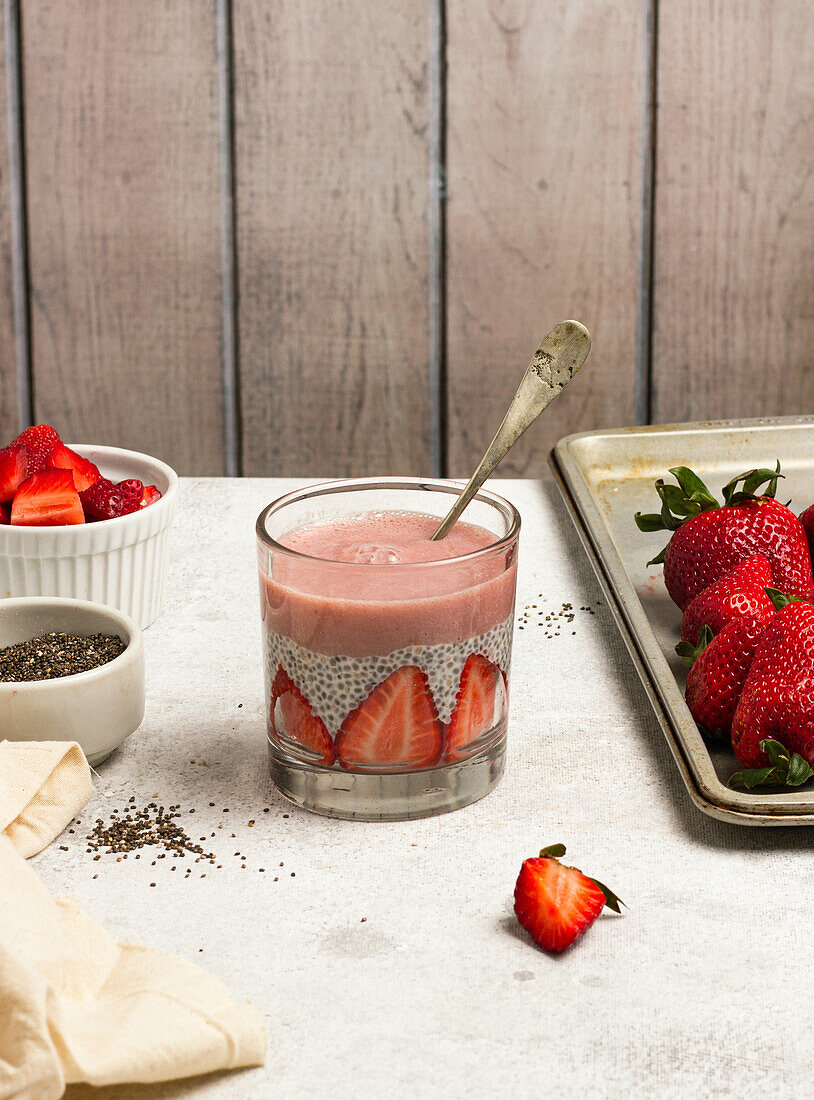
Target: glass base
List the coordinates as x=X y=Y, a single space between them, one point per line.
x=402 y=796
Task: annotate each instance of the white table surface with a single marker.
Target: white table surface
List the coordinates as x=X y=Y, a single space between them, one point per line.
x=701 y=988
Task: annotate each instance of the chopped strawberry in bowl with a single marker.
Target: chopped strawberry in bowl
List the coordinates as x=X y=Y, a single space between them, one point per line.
x=85 y=522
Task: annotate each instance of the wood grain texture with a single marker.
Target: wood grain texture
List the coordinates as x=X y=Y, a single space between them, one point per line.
x=123 y=193
x=332 y=181
x=9 y=395
x=733 y=263
x=544 y=103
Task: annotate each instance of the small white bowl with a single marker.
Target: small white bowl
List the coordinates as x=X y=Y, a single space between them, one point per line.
x=98 y=708
x=121 y=562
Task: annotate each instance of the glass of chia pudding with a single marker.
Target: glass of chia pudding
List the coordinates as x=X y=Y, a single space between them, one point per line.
x=386 y=654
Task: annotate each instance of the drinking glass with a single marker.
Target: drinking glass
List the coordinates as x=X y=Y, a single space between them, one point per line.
x=346 y=642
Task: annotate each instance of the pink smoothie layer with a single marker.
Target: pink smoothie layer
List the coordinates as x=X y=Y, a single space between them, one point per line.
x=376 y=582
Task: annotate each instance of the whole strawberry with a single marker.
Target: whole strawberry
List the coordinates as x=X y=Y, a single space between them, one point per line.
x=740 y=592
x=718 y=669
x=558 y=904
x=708 y=539
x=807 y=520
x=777 y=701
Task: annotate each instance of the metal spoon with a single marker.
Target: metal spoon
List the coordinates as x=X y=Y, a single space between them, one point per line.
x=561 y=353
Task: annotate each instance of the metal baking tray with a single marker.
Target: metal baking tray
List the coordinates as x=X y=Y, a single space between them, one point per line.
x=607 y=476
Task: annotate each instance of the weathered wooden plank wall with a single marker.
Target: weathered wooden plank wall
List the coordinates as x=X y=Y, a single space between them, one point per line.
x=733 y=266
x=332 y=171
x=544 y=211
x=294 y=238
x=10 y=401
x=123 y=187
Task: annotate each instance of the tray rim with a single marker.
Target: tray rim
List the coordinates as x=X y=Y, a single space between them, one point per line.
x=706 y=790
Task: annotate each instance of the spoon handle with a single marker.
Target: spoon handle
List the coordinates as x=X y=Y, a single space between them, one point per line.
x=561 y=353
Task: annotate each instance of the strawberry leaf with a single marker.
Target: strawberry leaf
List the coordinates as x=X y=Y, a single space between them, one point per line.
x=799 y=771
x=679 y=503
x=751 y=777
x=752 y=481
x=650 y=521
x=786 y=770
x=611 y=900
x=690 y=653
x=693 y=486
x=778 y=754
x=553 y=851
x=780 y=599
x=659 y=558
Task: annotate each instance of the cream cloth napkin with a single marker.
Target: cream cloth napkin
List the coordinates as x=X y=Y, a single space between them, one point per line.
x=75 y=1003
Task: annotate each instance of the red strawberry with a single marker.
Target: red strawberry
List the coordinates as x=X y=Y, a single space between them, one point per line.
x=740 y=592
x=5 y=513
x=718 y=671
x=85 y=473
x=477 y=706
x=150 y=495
x=46 y=500
x=291 y=717
x=777 y=701
x=558 y=904
x=39 y=443
x=104 y=500
x=13 y=470
x=807 y=520
x=708 y=540
x=395 y=728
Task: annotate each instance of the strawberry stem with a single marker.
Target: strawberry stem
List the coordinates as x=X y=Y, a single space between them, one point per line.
x=553 y=851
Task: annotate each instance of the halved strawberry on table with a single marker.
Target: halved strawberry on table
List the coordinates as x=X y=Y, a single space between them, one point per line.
x=709 y=539
x=558 y=904
x=85 y=472
x=478 y=706
x=13 y=470
x=395 y=728
x=47 y=499
x=292 y=717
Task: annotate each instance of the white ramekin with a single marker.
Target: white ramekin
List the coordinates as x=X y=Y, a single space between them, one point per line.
x=98 y=708
x=119 y=562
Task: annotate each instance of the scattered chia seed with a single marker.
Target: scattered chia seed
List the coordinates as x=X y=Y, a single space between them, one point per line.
x=554 y=620
x=153 y=825
x=52 y=656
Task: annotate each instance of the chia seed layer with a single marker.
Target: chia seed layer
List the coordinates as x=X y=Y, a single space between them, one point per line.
x=334 y=685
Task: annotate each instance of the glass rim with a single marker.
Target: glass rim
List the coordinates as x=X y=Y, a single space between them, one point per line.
x=442 y=485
